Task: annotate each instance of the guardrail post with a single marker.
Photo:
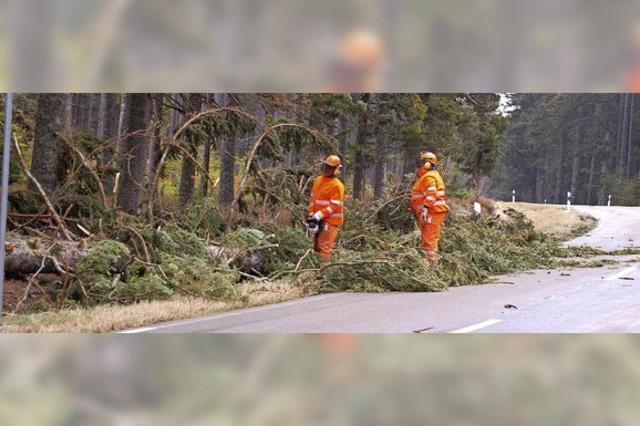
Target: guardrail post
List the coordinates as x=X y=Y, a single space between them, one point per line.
x=4 y=192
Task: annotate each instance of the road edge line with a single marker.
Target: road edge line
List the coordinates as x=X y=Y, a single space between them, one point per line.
x=476 y=327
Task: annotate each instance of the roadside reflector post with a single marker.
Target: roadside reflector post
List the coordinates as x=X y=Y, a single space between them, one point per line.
x=4 y=195
x=609 y=201
x=545 y=201
x=477 y=207
x=513 y=196
x=568 y=201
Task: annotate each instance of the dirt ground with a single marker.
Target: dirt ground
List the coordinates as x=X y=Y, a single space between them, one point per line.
x=552 y=219
x=18 y=297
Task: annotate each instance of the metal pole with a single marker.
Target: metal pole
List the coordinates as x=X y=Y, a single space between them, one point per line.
x=4 y=196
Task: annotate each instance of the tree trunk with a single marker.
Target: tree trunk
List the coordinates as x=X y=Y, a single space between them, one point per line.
x=575 y=167
x=344 y=135
x=108 y=130
x=359 y=159
x=400 y=153
x=591 y=173
x=623 y=135
x=68 y=114
x=345 y=132
x=206 y=163
x=227 y=169
x=227 y=154
x=94 y=113
x=158 y=112
x=602 y=194
x=75 y=109
x=187 y=178
x=630 y=136
x=134 y=152
x=380 y=160
x=559 y=176
x=484 y=182
x=206 y=155
x=175 y=117
x=50 y=120
x=619 y=138
x=539 y=187
x=82 y=113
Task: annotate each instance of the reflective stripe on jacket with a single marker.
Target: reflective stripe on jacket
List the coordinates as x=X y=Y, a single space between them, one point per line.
x=327 y=196
x=429 y=191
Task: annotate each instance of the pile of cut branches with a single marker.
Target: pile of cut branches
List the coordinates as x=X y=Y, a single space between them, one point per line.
x=379 y=250
x=197 y=252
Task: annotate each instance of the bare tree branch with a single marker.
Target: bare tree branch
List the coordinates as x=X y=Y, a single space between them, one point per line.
x=63 y=229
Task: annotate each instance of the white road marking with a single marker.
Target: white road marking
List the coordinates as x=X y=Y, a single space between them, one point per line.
x=622 y=273
x=476 y=327
x=228 y=314
x=137 y=330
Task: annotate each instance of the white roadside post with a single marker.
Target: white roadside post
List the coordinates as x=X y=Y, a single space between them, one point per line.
x=513 y=196
x=4 y=196
x=545 y=201
x=477 y=207
x=568 y=201
x=609 y=201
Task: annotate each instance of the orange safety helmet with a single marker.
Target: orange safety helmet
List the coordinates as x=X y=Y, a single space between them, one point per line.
x=426 y=160
x=333 y=161
x=429 y=157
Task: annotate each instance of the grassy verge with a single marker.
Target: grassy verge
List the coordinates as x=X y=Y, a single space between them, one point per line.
x=109 y=318
x=554 y=221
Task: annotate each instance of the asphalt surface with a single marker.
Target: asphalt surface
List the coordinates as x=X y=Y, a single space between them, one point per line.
x=605 y=299
x=618 y=227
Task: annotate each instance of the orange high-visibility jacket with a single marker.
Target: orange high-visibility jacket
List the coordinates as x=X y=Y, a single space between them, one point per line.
x=429 y=191
x=327 y=196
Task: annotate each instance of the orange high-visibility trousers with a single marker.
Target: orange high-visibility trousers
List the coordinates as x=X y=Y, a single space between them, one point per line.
x=431 y=230
x=326 y=239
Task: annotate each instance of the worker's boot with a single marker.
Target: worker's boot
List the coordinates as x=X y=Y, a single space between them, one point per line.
x=432 y=257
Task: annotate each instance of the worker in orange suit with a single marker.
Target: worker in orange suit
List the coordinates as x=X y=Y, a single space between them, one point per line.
x=326 y=207
x=428 y=202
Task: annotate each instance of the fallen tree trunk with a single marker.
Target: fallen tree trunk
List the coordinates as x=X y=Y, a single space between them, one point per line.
x=22 y=260
x=251 y=261
x=24 y=264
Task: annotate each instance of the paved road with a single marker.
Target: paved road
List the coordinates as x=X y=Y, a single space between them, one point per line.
x=618 y=227
x=603 y=299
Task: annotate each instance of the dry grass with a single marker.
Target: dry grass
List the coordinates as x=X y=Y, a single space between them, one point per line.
x=109 y=318
x=551 y=219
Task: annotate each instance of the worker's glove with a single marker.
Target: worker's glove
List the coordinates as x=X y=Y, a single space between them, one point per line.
x=424 y=215
x=318 y=217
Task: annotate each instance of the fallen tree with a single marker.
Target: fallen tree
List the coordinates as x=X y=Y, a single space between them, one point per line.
x=197 y=252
